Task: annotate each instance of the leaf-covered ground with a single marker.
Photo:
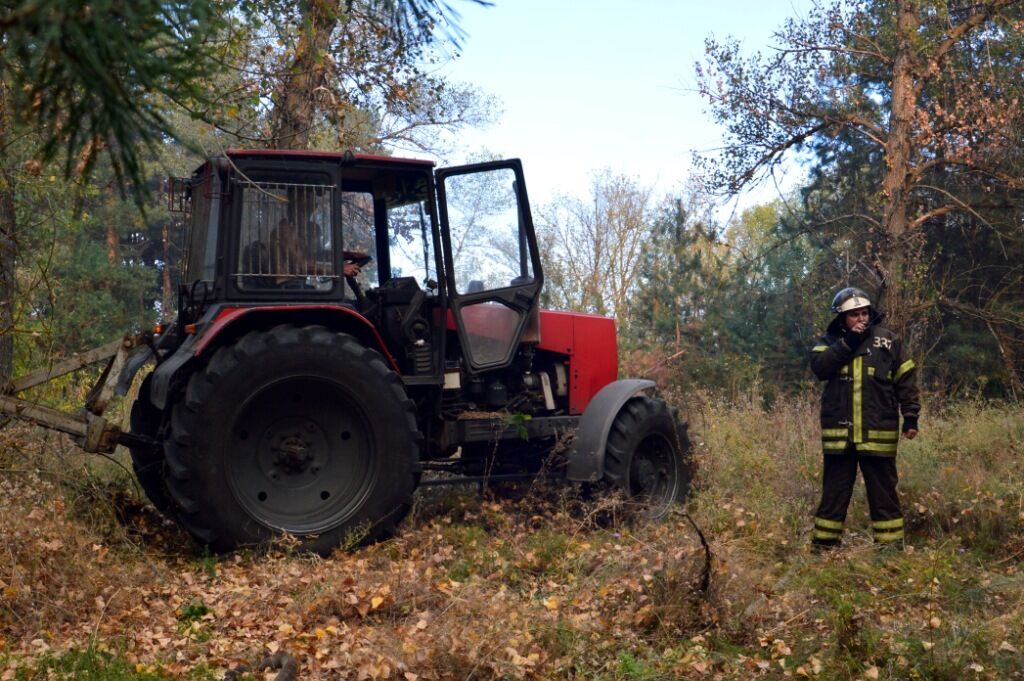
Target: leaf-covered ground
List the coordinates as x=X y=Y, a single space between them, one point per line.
x=536 y=582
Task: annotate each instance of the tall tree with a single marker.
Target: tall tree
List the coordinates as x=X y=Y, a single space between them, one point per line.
x=900 y=82
x=8 y=241
x=594 y=247
x=343 y=74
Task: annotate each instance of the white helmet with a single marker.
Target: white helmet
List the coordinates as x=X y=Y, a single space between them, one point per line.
x=850 y=298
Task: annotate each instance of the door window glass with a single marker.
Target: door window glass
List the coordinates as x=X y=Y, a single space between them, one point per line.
x=489 y=246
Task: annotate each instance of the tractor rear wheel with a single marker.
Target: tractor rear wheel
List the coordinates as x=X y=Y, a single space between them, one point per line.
x=148 y=462
x=296 y=430
x=648 y=455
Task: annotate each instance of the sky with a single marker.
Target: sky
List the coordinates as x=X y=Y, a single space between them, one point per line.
x=587 y=85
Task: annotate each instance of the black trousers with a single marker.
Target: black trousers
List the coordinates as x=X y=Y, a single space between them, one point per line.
x=880 y=478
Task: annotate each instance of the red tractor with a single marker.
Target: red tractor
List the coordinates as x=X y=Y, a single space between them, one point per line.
x=352 y=322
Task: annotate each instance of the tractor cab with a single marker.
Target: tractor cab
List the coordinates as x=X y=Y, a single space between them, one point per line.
x=429 y=259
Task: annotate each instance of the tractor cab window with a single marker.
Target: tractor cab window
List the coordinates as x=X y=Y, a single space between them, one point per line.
x=489 y=245
x=410 y=243
x=285 y=237
x=201 y=261
x=358 y=230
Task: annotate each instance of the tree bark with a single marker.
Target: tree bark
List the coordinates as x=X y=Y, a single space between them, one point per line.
x=8 y=246
x=113 y=240
x=167 y=297
x=892 y=259
x=295 y=104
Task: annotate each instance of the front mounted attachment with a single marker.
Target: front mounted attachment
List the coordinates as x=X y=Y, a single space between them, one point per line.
x=90 y=430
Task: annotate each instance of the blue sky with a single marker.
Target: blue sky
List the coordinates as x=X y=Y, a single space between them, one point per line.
x=586 y=85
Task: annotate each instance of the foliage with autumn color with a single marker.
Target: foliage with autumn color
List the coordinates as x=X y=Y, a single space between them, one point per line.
x=537 y=582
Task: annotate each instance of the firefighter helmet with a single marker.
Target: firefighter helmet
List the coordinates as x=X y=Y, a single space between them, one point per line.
x=850 y=298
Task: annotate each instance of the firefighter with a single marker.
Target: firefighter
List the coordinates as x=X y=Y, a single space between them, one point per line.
x=869 y=383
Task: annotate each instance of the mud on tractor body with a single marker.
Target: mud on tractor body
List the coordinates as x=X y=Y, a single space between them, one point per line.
x=295 y=394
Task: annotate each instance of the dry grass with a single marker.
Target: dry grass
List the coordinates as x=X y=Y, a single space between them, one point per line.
x=538 y=583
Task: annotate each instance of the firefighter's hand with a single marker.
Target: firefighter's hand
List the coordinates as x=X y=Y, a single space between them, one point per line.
x=351 y=269
x=910 y=434
x=853 y=337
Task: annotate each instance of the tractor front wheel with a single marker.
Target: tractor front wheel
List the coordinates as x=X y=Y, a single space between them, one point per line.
x=296 y=430
x=648 y=455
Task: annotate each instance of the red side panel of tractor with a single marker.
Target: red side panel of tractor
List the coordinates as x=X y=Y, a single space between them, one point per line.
x=589 y=341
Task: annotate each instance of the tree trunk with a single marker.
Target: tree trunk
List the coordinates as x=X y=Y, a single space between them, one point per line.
x=167 y=299
x=295 y=104
x=8 y=247
x=892 y=259
x=113 y=245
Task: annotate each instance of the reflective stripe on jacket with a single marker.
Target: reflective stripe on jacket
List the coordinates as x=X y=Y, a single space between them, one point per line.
x=865 y=391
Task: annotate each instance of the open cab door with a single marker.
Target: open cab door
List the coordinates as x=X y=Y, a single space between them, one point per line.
x=491 y=260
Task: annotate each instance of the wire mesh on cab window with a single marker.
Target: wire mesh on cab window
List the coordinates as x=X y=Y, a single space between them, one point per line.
x=285 y=237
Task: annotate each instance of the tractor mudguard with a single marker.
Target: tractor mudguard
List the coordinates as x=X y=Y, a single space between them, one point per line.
x=586 y=456
x=166 y=370
x=222 y=320
x=135 y=361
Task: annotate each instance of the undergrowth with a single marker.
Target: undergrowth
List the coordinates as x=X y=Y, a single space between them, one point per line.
x=538 y=582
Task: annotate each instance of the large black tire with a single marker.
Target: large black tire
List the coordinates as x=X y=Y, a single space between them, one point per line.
x=648 y=455
x=294 y=430
x=148 y=462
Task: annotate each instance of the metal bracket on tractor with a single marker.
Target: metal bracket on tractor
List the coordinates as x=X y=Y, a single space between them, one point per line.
x=91 y=431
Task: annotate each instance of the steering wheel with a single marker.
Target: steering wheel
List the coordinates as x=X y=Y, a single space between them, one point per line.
x=361 y=259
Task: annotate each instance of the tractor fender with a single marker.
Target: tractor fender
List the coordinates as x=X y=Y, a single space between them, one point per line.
x=136 y=360
x=231 y=322
x=586 y=456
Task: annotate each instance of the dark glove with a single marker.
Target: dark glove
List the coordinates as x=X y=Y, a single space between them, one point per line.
x=909 y=423
x=853 y=339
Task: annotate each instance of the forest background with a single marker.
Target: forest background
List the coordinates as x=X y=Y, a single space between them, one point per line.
x=903 y=115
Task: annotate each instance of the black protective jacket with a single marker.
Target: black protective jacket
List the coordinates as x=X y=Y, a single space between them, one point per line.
x=865 y=391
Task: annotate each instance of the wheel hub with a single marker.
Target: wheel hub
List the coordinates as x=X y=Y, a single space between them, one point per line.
x=646 y=476
x=294 y=447
x=651 y=473
x=293 y=454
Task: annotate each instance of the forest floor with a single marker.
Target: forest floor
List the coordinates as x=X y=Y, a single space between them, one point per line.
x=535 y=582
